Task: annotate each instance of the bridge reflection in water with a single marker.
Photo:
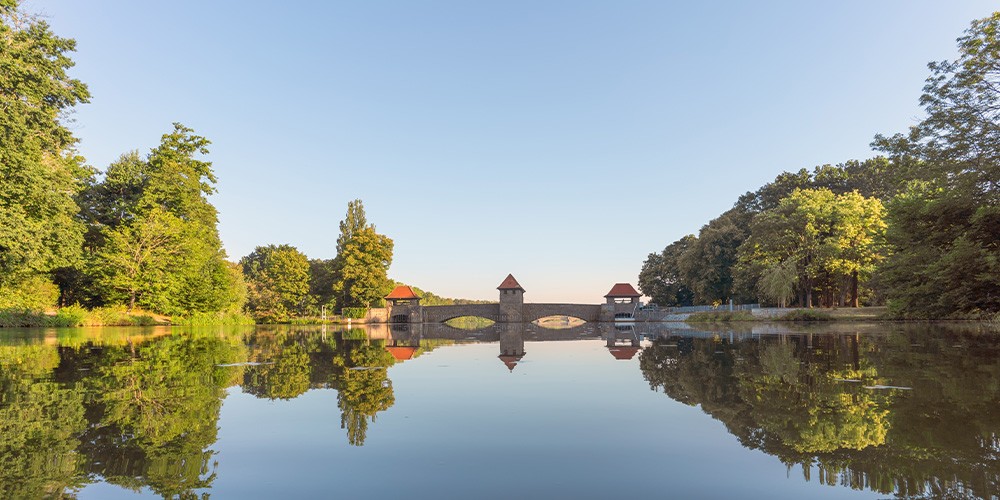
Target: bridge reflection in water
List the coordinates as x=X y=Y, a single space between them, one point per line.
x=403 y=306
x=623 y=341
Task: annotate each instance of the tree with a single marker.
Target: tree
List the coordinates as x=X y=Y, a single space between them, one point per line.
x=832 y=241
x=39 y=171
x=362 y=269
x=162 y=202
x=707 y=266
x=353 y=222
x=660 y=278
x=955 y=150
x=137 y=259
x=279 y=281
x=321 y=278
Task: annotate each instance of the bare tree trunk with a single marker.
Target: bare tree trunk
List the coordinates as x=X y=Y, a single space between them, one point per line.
x=131 y=302
x=855 y=300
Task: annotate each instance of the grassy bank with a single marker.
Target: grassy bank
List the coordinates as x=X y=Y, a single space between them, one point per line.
x=76 y=316
x=72 y=316
x=720 y=317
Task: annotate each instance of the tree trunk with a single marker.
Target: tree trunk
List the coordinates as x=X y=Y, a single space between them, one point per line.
x=855 y=300
x=131 y=303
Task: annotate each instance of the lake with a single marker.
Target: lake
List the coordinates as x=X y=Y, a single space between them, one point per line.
x=429 y=411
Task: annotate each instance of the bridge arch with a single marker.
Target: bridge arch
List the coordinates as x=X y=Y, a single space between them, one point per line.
x=559 y=322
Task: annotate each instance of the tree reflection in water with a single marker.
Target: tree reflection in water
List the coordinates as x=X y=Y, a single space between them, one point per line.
x=814 y=401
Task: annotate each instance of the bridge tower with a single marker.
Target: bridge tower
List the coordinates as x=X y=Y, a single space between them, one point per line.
x=511 y=344
x=623 y=300
x=511 y=301
x=404 y=305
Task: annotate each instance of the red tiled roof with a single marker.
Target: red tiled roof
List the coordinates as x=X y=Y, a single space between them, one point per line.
x=402 y=292
x=622 y=290
x=509 y=360
x=509 y=283
x=401 y=353
x=623 y=352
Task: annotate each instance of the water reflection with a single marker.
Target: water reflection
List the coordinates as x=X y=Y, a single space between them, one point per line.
x=911 y=411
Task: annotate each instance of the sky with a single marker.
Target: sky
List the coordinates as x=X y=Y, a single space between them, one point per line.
x=561 y=141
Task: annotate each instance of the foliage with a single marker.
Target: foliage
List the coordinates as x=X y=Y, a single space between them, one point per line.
x=720 y=316
x=814 y=240
x=361 y=270
x=278 y=282
x=660 y=278
x=154 y=231
x=353 y=222
x=707 y=266
x=40 y=172
x=34 y=292
x=354 y=312
x=432 y=299
x=946 y=256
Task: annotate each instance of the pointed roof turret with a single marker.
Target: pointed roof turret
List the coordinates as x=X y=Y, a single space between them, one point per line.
x=402 y=292
x=509 y=283
x=510 y=360
x=622 y=290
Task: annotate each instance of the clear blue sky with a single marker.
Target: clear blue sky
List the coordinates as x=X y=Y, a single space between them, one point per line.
x=559 y=141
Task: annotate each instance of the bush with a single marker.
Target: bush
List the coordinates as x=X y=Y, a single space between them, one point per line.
x=354 y=312
x=720 y=316
x=805 y=315
x=69 y=316
x=36 y=293
x=18 y=317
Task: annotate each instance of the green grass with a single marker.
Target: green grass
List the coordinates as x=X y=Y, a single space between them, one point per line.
x=720 y=317
x=805 y=315
x=213 y=319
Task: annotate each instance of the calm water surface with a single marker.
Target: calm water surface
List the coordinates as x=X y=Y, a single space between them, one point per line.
x=666 y=410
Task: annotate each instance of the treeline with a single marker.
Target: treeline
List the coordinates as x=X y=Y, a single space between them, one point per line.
x=916 y=227
x=142 y=234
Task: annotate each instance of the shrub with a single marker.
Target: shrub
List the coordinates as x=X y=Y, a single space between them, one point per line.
x=69 y=316
x=354 y=312
x=19 y=317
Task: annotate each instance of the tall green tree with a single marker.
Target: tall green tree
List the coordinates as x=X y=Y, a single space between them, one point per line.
x=39 y=170
x=162 y=203
x=278 y=279
x=945 y=252
x=362 y=269
x=353 y=222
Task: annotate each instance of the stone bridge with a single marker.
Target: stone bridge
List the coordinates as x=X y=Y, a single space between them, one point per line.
x=403 y=306
x=529 y=312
